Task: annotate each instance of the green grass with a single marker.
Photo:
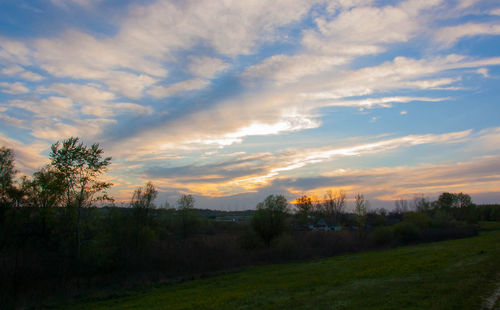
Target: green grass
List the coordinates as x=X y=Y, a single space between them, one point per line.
x=456 y=274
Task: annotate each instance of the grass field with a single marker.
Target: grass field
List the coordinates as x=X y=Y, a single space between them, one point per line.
x=456 y=274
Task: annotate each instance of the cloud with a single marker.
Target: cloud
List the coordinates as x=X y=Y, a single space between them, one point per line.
x=16 y=88
x=51 y=131
x=325 y=100
x=129 y=85
x=132 y=108
x=450 y=35
x=432 y=83
x=287 y=124
x=230 y=28
x=400 y=73
x=466 y=3
x=59 y=107
x=288 y=69
x=31 y=76
x=91 y=98
x=79 y=55
x=12 y=121
x=365 y=30
x=12 y=70
x=173 y=89
x=87 y=4
x=224 y=123
x=207 y=67
x=151 y=34
x=389 y=183
x=19 y=71
x=95 y=101
x=27 y=156
x=229 y=177
x=483 y=72
x=330 y=88
x=217 y=172
x=14 y=52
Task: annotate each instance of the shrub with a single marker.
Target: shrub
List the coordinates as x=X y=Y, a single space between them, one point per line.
x=441 y=219
x=383 y=235
x=379 y=220
x=406 y=232
x=285 y=245
x=249 y=239
x=420 y=219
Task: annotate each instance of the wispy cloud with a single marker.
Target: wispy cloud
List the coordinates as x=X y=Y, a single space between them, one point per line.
x=287 y=69
x=389 y=183
x=19 y=71
x=254 y=172
x=207 y=67
x=450 y=35
x=173 y=89
x=16 y=88
x=82 y=3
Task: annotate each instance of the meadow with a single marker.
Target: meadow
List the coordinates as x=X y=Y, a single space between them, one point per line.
x=453 y=274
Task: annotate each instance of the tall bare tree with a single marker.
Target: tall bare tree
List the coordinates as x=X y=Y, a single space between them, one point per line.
x=304 y=205
x=360 y=208
x=333 y=206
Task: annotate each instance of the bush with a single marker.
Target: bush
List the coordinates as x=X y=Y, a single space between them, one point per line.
x=250 y=240
x=379 y=220
x=406 y=232
x=420 y=219
x=285 y=245
x=383 y=235
x=441 y=219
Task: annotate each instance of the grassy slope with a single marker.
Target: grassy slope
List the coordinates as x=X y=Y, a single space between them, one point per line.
x=454 y=274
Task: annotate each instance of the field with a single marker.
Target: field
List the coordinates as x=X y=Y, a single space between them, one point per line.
x=455 y=274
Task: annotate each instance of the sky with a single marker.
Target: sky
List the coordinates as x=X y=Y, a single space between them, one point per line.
x=231 y=101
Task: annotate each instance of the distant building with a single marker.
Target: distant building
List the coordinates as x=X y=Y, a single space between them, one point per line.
x=322 y=225
x=232 y=218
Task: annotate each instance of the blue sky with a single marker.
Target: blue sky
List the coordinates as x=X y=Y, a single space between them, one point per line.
x=233 y=100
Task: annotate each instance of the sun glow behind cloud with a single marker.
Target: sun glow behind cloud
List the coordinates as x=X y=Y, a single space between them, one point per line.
x=173 y=90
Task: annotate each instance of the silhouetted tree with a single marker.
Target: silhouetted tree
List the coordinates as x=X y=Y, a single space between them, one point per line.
x=143 y=197
x=304 y=207
x=142 y=203
x=7 y=173
x=446 y=201
x=421 y=204
x=269 y=218
x=44 y=192
x=463 y=200
x=188 y=219
x=401 y=206
x=333 y=206
x=47 y=188
x=185 y=202
x=360 y=209
x=80 y=167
